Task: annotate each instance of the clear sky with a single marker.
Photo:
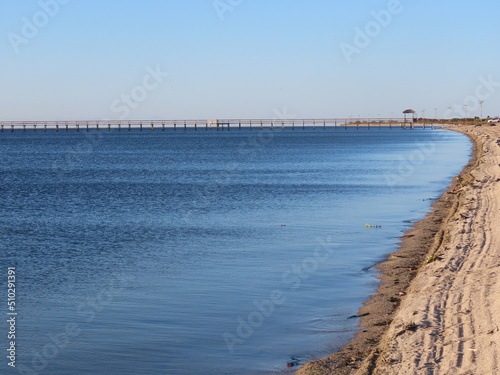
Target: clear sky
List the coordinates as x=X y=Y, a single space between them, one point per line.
x=202 y=59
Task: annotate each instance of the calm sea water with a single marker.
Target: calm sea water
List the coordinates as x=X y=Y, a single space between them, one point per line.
x=193 y=253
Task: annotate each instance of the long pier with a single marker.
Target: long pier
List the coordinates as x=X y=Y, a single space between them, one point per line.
x=216 y=124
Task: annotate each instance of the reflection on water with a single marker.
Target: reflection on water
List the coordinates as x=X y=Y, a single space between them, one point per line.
x=203 y=252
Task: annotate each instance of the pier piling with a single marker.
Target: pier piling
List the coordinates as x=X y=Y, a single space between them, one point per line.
x=219 y=125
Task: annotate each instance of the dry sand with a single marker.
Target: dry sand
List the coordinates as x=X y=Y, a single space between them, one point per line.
x=437 y=311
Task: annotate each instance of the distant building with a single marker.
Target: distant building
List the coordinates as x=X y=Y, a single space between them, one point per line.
x=408 y=111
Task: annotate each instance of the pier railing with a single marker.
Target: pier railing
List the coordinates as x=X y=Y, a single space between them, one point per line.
x=215 y=124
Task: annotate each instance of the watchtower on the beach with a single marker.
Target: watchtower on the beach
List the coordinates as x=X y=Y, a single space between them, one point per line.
x=412 y=112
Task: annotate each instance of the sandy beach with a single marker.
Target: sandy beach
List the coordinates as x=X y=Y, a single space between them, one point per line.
x=437 y=310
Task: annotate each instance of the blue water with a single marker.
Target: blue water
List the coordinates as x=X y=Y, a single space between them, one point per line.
x=203 y=252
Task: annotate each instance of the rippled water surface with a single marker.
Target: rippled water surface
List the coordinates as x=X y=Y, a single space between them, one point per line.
x=204 y=252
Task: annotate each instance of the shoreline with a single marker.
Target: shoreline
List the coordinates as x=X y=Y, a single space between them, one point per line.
x=421 y=247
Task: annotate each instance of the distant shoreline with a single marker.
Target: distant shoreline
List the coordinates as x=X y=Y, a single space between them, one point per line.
x=420 y=249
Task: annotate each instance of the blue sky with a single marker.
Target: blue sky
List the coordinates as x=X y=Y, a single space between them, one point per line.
x=93 y=59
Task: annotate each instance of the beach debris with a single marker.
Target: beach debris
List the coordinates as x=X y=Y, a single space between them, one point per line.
x=408 y=236
x=373 y=226
x=358 y=316
x=350 y=362
x=402 y=294
x=432 y=258
x=493 y=330
x=295 y=361
x=456 y=191
x=408 y=327
x=382 y=323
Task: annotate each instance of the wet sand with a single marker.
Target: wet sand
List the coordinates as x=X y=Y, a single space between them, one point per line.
x=437 y=310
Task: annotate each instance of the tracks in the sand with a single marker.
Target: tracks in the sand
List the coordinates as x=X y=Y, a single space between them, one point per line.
x=455 y=301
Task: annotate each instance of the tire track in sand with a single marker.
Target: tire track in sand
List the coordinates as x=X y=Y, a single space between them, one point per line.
x=455 y=301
